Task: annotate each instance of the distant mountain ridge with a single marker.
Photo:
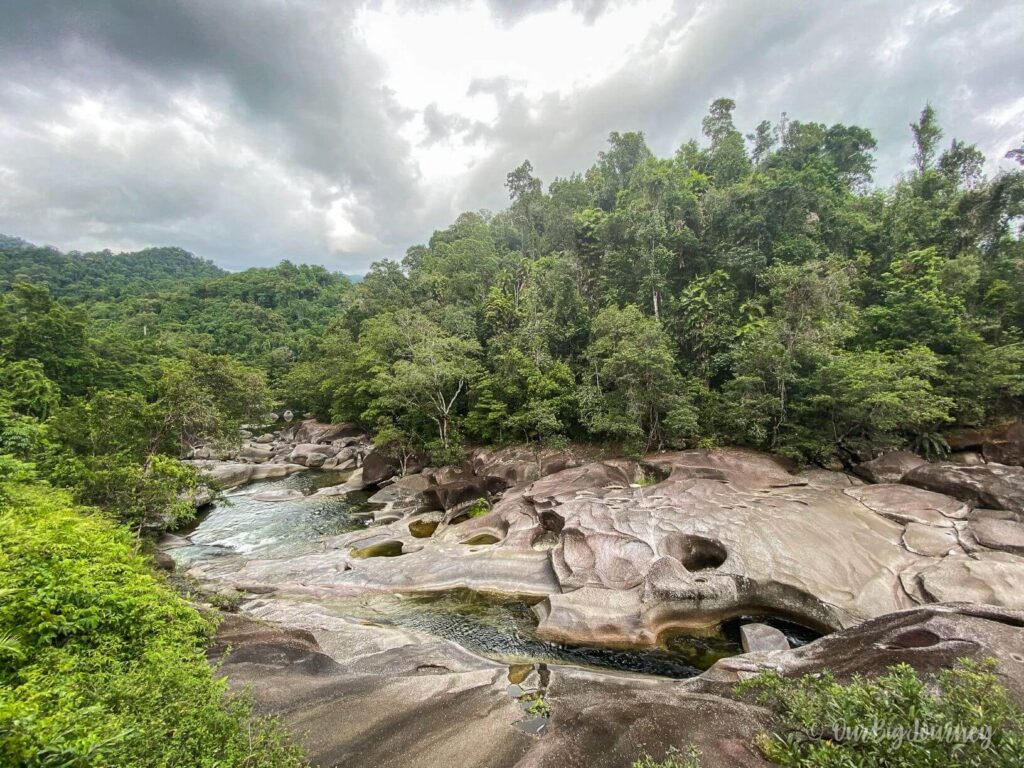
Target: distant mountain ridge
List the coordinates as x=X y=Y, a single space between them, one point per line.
x=102 y=275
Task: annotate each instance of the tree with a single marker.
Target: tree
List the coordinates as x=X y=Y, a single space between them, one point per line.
x=926 y=138
x=633 y=391
x=413 y=367
x=863 y=399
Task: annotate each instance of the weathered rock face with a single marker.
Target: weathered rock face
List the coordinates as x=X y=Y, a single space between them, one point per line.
x=929 y=638
x=312 y=431
x=996 y=486
x=993 y=533
x=227 y=474
x=890 y=467
x=723 y=533
x=460 y=493
x=1003 y=444
x=378 y=467
x=311 y=454
x=518 y=464
x=357 y=694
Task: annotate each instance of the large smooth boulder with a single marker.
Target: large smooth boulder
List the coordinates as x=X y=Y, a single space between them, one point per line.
x=459 y=493
x=229 y=474
x=379 y=467
x=1000 y=444
x=989 y=581
x=311 y=454
x=520 y=464
x=761 y=637
x=889 y=467
x=994 y=486
x=1004 y=535
x=313 y=431
x=255 y=453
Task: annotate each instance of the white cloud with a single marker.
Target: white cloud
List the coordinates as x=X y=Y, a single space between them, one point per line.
x=342 y=133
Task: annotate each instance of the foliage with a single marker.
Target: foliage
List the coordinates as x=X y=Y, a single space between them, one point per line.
x=744 y=290
x=478 y=508
x=962 y=716
x=539 y=707
x=101 y=664
x=673 y=759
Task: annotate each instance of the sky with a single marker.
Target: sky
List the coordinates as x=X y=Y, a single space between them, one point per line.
x=340 y=133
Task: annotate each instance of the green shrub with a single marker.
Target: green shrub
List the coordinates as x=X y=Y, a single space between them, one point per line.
x=478 y=508
x=539 y=707
x=101 y=664
x=961 y=716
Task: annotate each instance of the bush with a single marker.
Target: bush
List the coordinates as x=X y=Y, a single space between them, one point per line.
x=962 y=717
x=100 y=663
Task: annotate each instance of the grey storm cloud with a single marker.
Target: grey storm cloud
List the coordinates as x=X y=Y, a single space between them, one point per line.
x=252 y=132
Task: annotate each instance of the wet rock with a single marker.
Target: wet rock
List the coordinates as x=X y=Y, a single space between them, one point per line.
x=286 y=494
x=265 y=438
x=353 y=483
x=993 y=485
x=889 y=467
x=761 y=637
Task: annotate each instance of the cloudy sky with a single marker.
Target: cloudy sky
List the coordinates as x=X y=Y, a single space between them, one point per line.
x=343 y=132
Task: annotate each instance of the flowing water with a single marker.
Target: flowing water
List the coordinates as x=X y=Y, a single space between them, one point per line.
x=502 y=628
x=243 y=527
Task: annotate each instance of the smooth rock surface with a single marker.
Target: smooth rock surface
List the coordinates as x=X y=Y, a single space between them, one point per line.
x=905 y=504
x=993 y=485
x=761 y=637
x=358 y=695
x=989 y=581
x=228 y=474
x=929 y=540
x=889 y=467
x=1004 y=535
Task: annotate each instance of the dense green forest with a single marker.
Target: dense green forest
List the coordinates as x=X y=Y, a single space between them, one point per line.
x=748 y=290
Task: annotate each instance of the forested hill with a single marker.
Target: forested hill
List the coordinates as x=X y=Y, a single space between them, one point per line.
x=746 y=290
x=750 y=289
x=102 y=276
x=753 y=290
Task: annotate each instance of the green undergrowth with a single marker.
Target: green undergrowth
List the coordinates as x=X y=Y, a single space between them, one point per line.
x=101 y=663
x=961 y=716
